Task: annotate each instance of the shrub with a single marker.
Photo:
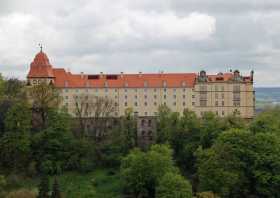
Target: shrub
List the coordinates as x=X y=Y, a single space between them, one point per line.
x=22 y=193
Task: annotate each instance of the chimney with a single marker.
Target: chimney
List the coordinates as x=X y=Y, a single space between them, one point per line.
x=101 y=74
x=121 y=74
x=82 y=75
x=140 y=74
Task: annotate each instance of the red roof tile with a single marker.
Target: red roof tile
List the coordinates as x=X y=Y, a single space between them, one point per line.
x=40 y=67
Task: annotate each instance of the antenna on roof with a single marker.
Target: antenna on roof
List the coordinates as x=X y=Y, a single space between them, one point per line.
x=41 y=46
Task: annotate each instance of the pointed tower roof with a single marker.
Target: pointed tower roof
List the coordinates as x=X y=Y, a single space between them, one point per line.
x=41 y=67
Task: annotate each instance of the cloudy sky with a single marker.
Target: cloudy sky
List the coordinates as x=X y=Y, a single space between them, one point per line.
x=143 y=35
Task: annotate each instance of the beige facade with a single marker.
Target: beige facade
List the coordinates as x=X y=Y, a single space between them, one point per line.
x=220 y=99
x=223 y=94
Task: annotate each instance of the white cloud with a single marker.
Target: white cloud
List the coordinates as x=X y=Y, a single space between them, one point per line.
x=143 y=25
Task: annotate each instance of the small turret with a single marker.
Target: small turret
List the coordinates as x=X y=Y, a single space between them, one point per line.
x=40 y=70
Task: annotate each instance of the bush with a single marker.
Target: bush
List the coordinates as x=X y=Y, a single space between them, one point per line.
x=22 y=193
x=86 y=165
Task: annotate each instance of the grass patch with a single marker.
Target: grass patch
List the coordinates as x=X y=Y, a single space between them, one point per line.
x=103 y=183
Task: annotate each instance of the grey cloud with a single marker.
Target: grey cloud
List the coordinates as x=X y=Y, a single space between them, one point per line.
x=81 y=36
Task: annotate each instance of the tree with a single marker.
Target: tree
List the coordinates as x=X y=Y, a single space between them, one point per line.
x=1 y=86
x=52 y=147
x=128 y=130
x=186 y=139
x=44 y=187
x=267 y=122
x=173 y=186
x=15 y=144
x=3 y=184
x=141 y=172
x=14 y=90
x=164 y=126
x=43 y=97
x=56 y=191
x=95 y=112
x=241 y=164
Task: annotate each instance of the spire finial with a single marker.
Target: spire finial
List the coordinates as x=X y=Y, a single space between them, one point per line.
x=41 y=47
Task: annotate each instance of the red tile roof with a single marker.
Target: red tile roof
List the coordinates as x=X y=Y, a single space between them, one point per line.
x=41 y=68
x=67 y=79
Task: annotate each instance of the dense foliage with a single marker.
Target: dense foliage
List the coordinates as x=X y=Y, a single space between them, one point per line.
x=203 y=156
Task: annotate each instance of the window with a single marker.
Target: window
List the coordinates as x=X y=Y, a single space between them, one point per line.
x=174 y=103
x=145 y=90
x=203 y=88
x=146 y=113
x=193 y=96
x=106 y=90
x=236 y=88
x=155 y=96
x=164 y=103
x=66 y=97
x=66 y=90
x=135 y=96
x=164 y=96
x=149 y=123
x=135 y=104
x=143 y=122
x=223 y=103
x=223 y=113
x=155 y=103
x=203 y=103
x=222 y=88
x=236 y=103
x=216 y=95
x=174 y=90
x=193 y=103
x=125 y=96
x=155 y=90
x=116 y=90
x=145 y=96
x=135 y=90
x=143 y=133
x=223 y=95
x=184 y=104
x=216 y=103
x=145 y=103
x=125 y=90
x=125 y=104
x=116 y=104
x=216 y=88
x=217 y=113
x=184 y=96
x=164 y=90
x=174 y=96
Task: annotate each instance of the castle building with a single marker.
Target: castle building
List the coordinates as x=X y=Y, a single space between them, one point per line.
x=222 y=93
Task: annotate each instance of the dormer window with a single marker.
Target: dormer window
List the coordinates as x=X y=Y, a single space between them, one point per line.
x=183 y=84
x=164 y=83
x=105 y=84
x=145 y=83
x=66 y=83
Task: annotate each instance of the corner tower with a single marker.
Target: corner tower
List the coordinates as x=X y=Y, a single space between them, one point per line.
x=40 y=70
